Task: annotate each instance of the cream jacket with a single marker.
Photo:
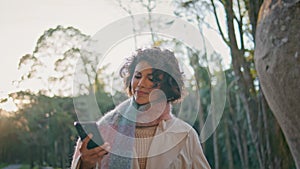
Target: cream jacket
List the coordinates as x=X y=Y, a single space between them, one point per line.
x=175 y=146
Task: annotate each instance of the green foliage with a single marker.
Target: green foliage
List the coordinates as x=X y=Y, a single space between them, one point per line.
x=43 y=128
x=41 y=133
x=2 y=165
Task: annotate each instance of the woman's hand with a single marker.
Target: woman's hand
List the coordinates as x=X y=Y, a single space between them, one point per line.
x=90 y=157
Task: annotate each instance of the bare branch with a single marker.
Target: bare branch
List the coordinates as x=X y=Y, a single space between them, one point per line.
x=240 y=26
x=218 y=22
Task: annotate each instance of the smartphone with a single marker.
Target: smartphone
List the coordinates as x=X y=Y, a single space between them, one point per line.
x=84 y=128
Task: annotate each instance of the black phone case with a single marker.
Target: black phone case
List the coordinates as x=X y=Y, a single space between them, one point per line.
x=83 y=128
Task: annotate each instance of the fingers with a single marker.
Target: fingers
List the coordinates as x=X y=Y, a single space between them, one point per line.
x=91 y=156
x=98 y=152
x=105 y=148
x=86 y=140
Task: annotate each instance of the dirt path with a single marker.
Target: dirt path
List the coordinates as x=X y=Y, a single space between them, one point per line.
x=13 y=166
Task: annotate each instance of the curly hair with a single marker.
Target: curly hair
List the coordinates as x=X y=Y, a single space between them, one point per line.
x=164 y=63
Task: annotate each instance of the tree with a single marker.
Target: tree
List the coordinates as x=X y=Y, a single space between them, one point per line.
x=67 y=66
x=147 y=6
x=10 y=152
x=54 y=59
x=45 y=127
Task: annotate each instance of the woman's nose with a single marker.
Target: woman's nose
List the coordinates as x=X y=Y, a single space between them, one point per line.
x=142 y=82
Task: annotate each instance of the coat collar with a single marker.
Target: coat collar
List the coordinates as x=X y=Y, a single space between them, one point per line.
x=169 y=134
x=169 y=139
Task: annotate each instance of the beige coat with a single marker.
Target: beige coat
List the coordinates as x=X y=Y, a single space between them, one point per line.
x=175 y=146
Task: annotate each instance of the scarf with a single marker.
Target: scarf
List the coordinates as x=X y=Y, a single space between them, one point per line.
x=118 y=128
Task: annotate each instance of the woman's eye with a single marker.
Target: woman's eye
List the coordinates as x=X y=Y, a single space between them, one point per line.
x=137 y=76
x=150 y=78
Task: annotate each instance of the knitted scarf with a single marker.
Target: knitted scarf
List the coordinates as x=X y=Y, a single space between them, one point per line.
x=118 y=128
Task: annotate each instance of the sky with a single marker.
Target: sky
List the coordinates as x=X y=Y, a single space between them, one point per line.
x=23 y=22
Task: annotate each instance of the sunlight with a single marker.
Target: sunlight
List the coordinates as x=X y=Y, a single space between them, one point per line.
x=9 y=105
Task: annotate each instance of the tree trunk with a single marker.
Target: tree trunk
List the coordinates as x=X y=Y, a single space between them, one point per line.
x=266 y=136
x=228 y=147
x=215 y=143
x=278 y=64
x=244 y=83
x=253 y=8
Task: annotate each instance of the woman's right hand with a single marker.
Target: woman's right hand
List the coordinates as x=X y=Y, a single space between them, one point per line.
x=90 y=157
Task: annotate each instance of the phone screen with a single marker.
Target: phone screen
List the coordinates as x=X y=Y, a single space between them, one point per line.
x=84 y=128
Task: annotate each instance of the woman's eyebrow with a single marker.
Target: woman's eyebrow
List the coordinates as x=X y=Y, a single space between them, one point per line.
x=149 y=74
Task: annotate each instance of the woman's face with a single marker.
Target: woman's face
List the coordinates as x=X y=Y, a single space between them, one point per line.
x=142 y=82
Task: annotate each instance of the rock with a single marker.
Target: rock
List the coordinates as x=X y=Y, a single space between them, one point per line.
x=277 y=62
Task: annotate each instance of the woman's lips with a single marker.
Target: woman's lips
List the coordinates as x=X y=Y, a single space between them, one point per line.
x=141 y=93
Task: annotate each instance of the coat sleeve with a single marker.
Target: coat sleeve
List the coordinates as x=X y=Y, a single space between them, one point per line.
x=76 y=156
x=76 y=160
x=197 y=156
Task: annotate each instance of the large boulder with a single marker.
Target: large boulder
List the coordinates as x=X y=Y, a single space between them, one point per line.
x=277 y=60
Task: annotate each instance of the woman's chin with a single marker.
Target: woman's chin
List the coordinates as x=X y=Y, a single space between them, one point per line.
x=141 y=101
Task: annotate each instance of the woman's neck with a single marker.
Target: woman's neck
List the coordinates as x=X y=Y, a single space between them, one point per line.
x=154 y=114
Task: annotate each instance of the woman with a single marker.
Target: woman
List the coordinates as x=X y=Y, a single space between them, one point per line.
x=141 y=132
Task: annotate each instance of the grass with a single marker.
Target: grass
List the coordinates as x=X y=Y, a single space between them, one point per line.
x=2 y=165
x=25 y=166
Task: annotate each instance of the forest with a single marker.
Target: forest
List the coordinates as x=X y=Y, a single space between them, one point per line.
x=41 y=132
